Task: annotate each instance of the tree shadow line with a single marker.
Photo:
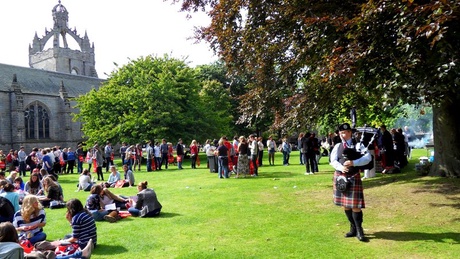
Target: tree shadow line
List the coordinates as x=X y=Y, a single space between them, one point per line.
x=449 y=237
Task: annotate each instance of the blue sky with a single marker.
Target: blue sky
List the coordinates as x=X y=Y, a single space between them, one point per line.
x=119 y=30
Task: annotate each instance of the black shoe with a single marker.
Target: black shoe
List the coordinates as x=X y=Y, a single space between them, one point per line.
x=352 y=232
x=360 y=235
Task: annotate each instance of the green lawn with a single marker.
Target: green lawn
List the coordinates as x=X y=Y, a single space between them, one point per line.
x=280 y=214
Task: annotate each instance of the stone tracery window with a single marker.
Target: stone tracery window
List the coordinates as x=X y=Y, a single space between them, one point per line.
x=37 y=123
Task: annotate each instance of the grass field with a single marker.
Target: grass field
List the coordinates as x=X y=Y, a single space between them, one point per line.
x=280 y=214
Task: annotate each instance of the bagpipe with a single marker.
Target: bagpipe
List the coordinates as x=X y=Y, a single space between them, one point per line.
x=368 y=135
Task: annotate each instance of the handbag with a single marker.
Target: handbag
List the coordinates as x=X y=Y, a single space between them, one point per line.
x=67 y=249
x=26 y=245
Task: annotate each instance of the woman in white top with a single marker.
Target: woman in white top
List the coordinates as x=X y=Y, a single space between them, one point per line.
x=84 y=182
x=271 y=146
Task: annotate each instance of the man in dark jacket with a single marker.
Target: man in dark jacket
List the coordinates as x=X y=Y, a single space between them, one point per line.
x=180 y=153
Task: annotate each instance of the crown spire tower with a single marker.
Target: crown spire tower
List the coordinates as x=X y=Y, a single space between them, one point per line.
x=60 y=57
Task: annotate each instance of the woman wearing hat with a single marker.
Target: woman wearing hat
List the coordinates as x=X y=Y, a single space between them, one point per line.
x=347 y=184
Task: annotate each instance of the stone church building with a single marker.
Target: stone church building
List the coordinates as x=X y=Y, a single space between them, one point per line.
x=36 y=103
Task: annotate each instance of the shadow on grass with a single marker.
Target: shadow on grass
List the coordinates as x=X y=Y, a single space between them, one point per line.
x=449 y=237
x=168 y=215
x=162 y=215
x=438 y=185
x=104 y=249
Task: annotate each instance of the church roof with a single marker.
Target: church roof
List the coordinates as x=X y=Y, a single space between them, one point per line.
x=43 y=82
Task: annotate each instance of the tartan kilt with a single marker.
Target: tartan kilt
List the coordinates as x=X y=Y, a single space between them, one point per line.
x=352 y=198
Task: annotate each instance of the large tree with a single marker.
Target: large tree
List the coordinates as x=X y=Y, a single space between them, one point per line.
x=149 y=99
x=308 y=58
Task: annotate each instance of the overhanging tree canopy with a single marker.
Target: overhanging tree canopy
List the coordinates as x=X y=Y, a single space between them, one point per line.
x=308 y=56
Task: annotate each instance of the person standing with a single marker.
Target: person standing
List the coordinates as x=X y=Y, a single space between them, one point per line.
x=32 y=159
x=346 y=169
x=88 y=159
x=312 y=148
x=157 y=153
x=254 y=148
x=387 y=148
x=164 y=153
x=300 y=141
x=47 y=161
x=286 y=149
x=261 y=150
x=271 y=146
x=22 y=155
x=194 y=153
x=180 y=153
x=97 y=155
x=108 y=152
x=130 y=155
x=137 y=157
x=81 y=158
x=222 y=156
x=150 y=156
x=243 y=162
x=409 y=135
x=71 y=157
x=309 y=167
x=123 y=152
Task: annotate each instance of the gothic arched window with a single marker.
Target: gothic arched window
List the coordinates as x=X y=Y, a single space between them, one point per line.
x=37 y=122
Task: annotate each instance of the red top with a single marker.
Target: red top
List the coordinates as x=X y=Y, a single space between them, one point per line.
x=194 y=149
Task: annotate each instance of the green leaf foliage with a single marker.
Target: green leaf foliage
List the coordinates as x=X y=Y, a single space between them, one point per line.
x=151 y=98
x=310 y=58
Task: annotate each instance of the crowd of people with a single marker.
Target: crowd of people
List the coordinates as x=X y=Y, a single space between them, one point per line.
x=22 y=203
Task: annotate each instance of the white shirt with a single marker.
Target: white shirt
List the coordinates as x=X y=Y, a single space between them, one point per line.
x=84 y=181
x=156 y=150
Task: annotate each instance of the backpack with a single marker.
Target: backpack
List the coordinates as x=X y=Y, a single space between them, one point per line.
x=28 y=160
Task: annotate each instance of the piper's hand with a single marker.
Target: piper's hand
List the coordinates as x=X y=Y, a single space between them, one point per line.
x=345 y=169
x=348 y=163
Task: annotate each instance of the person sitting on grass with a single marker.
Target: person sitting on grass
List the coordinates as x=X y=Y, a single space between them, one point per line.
x=9 y=242
x=10 y=194
x=147 y=204
x=93 y=204
x=53 y=191
x=114 y=177
x=129 y=177
x=18 y=184
x=30 y=219
x=84 y=232
x=34 y=186
x=107 y=198
x=84 y=181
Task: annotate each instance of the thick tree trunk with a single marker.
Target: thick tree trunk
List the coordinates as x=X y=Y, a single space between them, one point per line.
x=446 y=129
